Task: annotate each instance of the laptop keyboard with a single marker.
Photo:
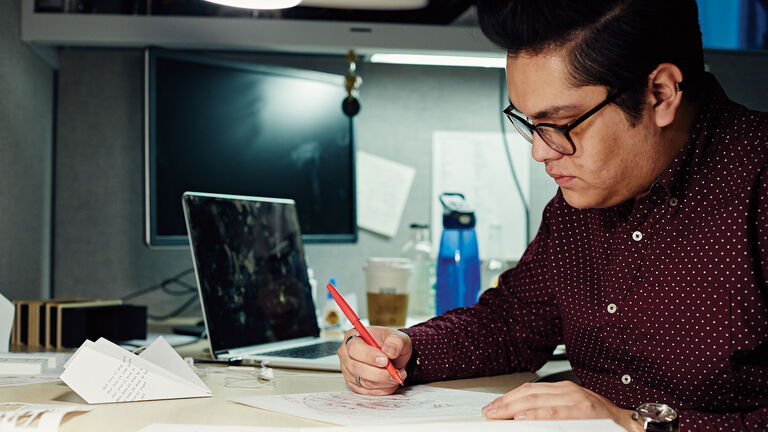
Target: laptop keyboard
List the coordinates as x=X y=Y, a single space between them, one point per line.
x=318 y=350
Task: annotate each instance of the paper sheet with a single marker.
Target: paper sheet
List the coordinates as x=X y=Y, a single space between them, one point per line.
x=34 y=417
x=412 y=404
x=21 y=366
x=102 y=372
x=167 y=427
x=52 y=369
x=382 y=190
x=6 y=322
x=475 y=164
x=602 y=425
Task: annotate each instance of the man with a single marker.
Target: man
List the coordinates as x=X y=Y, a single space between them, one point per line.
x=651 y=260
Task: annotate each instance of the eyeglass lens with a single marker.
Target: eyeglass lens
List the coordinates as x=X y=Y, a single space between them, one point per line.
x=522 y=128
x=552 y=137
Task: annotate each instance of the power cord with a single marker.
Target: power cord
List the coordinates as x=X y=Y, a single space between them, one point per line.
x=502 y=98
x=166 y=286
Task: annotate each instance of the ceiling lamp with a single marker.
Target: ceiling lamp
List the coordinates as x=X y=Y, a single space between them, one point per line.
x=336 y=4
x=368 y=4
x=440 y=60
x=258 y=4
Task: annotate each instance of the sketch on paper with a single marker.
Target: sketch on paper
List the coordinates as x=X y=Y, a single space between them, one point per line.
x=413 y=404
x=347 y=402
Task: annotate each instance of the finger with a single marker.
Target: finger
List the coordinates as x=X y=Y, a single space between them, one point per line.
x=373 y=376
x=557 y=412
x=360 y=351
x=507 y=408
x=349 y=333
x=518 y=392
x=373 y=392
x=366 y=387
x=531 y=397
x=530 y=388
x=393 y=345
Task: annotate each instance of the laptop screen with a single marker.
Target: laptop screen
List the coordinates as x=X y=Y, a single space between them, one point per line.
x=250 y=267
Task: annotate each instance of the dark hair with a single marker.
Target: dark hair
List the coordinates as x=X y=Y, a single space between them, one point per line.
x=611 y=43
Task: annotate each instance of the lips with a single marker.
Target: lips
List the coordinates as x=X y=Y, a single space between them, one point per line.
x=560 y=179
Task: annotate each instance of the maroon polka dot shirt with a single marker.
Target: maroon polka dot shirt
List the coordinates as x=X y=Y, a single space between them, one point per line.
x=662 y=301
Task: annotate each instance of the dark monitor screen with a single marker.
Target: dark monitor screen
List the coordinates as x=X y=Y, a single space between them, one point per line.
x=240 y=128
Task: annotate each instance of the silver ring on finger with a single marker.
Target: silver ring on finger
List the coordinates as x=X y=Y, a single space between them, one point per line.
x=346 y=342
x=357 y=380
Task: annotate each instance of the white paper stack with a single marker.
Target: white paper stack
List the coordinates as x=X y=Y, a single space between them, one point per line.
x=22 y=365
x=102 y=372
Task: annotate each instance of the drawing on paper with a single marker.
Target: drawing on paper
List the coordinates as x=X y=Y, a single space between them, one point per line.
x=344 y=403
x=417 y=403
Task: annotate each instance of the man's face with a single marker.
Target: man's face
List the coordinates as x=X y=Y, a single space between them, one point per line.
x=614 y=161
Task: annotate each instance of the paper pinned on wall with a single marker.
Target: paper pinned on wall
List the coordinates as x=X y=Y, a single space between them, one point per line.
x=475 y=164
x=382 y=190
x=102 y=372
x=6 y=322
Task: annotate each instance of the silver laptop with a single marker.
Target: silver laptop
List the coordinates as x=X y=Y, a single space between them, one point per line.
x=252 y=279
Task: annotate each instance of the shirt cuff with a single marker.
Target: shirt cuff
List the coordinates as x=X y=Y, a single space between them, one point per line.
x=423 y=366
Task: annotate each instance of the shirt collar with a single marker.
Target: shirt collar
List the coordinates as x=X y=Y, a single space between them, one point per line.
x=674 y=180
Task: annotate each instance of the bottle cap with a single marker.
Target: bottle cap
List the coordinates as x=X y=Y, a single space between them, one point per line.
x=328 y=293
x=457 y=213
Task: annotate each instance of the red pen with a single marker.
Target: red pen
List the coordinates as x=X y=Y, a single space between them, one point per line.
x=352 y=317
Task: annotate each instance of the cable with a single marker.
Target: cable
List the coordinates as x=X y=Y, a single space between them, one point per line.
x=187 y=289
x=502 y=87
x=161 y=285
x=176 y=311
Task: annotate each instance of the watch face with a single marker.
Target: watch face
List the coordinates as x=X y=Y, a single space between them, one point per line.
x=657 y=412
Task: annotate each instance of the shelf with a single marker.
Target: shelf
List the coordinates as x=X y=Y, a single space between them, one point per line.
x=236 y=33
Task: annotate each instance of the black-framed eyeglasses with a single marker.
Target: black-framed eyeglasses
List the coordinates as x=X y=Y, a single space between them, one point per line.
x=557 y=137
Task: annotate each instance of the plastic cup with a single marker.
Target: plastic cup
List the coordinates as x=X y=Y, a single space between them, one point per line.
x=386 y=283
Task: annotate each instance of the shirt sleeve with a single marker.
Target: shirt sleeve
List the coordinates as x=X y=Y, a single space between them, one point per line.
x=513 y=327
x=749 y=421
x=761 y=227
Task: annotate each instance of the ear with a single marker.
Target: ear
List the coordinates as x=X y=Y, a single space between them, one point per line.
x=666 y=97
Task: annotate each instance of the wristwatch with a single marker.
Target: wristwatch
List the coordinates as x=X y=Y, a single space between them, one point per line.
x=657 y=417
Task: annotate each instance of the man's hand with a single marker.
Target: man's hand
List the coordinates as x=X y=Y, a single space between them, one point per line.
x=557 y=401
x=364 y=367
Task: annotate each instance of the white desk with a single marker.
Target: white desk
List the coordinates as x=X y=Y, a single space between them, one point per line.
x=216 y=410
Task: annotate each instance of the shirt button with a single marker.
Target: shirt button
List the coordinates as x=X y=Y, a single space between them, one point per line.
x=626 y=379
x=611 y=308
x=672 y=202
x=637 y=236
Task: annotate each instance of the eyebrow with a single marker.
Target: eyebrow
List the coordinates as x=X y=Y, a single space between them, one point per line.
x=550 y=111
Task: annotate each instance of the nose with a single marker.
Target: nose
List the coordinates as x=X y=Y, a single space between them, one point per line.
x=542 y=152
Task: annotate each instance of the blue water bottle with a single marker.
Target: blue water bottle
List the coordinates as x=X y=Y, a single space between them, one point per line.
x=458 y=262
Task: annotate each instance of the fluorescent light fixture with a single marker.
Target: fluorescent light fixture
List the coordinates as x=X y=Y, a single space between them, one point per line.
x=258 y=4
x=368 y=4
x=440 y=60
